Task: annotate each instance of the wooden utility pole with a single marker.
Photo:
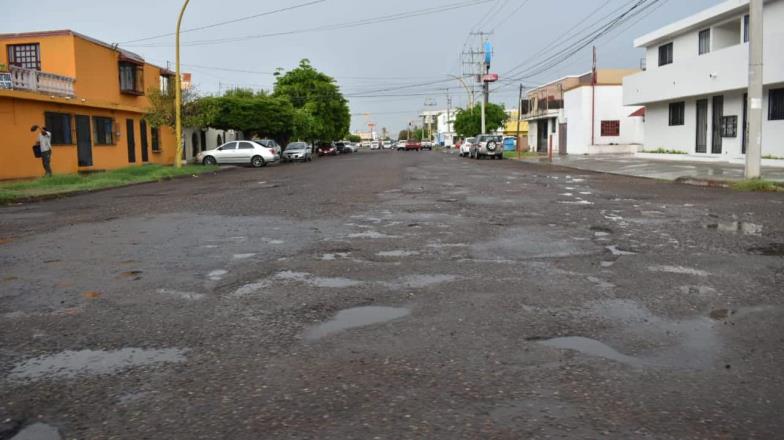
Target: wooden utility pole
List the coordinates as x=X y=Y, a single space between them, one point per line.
x=754 y=147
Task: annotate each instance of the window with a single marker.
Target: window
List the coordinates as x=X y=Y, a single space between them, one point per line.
x=677 y=110
x=27 y=56
x=166 y=84
x=665 y=54
x=131 y=78
x=729 y=126
x=611 y=128
x=246 y=146
x=155 y=134
x=776 y=105
x=745 y=28
x=59 y=124
x=219 y=140
x=705 y=45
x=553 y=125
x=229 y=146
x=104 y=130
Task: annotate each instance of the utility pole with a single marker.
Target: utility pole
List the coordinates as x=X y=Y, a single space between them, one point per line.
x=448 y=118
x=754 y=147
x=593 y=99
x=178 y=93
x=519 y=116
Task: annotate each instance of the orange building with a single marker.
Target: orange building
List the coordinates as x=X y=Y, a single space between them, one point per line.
x=89 y=94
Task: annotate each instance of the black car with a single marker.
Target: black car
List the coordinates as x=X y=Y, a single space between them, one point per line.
x=340 y=147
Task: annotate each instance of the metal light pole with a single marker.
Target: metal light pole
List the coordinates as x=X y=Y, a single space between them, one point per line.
x=178 y=91
x=754 y=148
x=469 y=92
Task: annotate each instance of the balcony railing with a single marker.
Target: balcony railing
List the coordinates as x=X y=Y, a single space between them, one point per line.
x=41 y=82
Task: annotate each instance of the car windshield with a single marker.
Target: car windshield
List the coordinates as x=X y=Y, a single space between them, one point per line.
x=470 y=140
x=296 y=146
x=489 y=138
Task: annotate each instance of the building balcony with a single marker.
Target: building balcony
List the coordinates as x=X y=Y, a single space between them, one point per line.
x=41 y=82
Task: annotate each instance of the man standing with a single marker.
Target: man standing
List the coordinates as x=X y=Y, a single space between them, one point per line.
x=45 y=142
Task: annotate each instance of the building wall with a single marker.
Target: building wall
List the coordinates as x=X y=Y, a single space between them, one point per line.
x=659 y=134
x=18 y=115
x=210 y=137
x=609 y=107
x=59 y=50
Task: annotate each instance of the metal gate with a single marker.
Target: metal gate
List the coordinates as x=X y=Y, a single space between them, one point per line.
x=702 y=126
x=718 y=113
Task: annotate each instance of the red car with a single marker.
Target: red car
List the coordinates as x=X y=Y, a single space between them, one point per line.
x=413 y=145
x=327 y=150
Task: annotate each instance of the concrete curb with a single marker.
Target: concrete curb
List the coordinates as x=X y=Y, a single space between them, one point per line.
x=42 y=197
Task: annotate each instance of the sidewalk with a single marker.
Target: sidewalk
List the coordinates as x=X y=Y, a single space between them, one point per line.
x=630 y=165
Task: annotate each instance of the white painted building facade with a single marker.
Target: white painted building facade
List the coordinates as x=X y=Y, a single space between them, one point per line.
x=696 y=79
x=196 y=140
x=574 y=116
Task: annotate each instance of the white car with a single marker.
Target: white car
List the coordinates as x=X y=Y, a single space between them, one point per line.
x=387 y=145
x=375 y=145
x=239 y=152
x=350 y=148
x=465 y=147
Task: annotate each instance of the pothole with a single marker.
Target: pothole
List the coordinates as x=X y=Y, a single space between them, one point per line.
x=744 y=228
x=355 y=317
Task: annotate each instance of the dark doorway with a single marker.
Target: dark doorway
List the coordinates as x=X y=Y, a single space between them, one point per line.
x=131 y=141
x=718 y=113
x=203 y=140
x=702 y=126
x=143 y=138
x=562 y=139
x=745 y=126
x=84 y=142
x=219 y=141
x=541 y=136
x=194 y=144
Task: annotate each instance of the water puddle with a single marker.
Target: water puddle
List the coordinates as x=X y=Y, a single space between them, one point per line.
x=334 y=256
x=371 y=235
x=251 y=288
x=421 y=281
x=38 y=431
x=607 y=263
x=355 y=317
x=744 y=228
x=243 y=256
x=592 y=347
x=679 y=270
x=770 y=250
x=326 y=282
x=615 y=250
x=189 y=296
x=397 y=253
x=217 y=275
x=576 y=202
x=70 y=364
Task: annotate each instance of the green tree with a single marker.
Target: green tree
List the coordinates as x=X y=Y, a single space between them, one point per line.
x=468 y=122
x=255 y=115
x=196 y=111
x=353 y=138
x=319 y=96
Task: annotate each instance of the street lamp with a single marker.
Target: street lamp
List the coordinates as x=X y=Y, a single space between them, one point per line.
x=469 y=92
x=178 y=91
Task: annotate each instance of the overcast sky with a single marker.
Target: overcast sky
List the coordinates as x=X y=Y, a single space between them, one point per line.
x=365 y=60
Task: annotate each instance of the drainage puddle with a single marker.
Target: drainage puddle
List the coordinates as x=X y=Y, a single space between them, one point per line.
x=38 y=431
x=70 y=364
x=744 y=228
x=355 y=317
x=592 y=347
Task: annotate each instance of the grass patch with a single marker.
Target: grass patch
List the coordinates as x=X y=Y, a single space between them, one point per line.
x=757 y=185
x=770 y=156
x=67 y=183
x=664 y=151
x=513 y=154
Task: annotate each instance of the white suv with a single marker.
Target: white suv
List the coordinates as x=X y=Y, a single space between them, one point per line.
x=465 y=147
x=488 y=145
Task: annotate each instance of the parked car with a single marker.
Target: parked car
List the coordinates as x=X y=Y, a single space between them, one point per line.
x=366 y=144
x=239 y=152
x=297 y=151
x=413 y=145
x=327 y=150
x=375 y=145
x=427 y=146
x=269 y=143
x=387 y=145
x=401 y=145
x=488 y=145
x=465 y=147
x=349 y=148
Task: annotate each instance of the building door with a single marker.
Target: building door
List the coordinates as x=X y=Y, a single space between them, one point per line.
x=143 y=139
x=718 y=113
x=745 y=127
x=84 y=142
x=541 y=136
x=562 y=139
x=203 y=140
x=194 y=144
x=702 y=126
x=131 y=141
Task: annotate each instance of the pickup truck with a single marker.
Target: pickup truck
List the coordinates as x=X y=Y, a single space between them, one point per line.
x=413 y=145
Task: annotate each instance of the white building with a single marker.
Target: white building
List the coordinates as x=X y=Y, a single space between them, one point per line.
x=201 y=139
x=577 y=115
x=436 y=125
x=694 y=88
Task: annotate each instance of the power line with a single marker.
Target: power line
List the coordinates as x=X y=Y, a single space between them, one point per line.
x=236 y=20
x=329 y=27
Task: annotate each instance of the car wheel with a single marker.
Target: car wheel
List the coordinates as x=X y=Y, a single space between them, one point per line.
x=209 y=160
x=257 y=162
x=500 y=157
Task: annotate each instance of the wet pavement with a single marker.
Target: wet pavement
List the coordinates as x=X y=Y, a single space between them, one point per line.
x=394 y=295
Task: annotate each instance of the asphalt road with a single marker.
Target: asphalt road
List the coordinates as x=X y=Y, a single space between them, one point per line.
x=387 y=295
